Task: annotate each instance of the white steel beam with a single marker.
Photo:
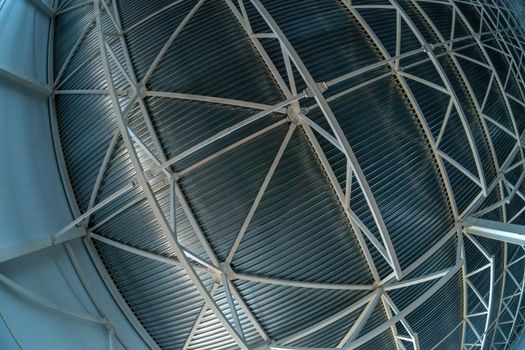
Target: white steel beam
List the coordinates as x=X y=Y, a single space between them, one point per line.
x=176 y=191
x=300 y=284
x=89 y=289
x=244 y=20
x=152 y=200
x=63 y=8
x=492 y=67
x=49 y=303
x=168 y=43
x=115 y=293
x=152 y=15
x=394 y=65
x=478 y=107
x=439 y=69
x=231 y=303
x=198 y=321
x=232 y=129
x=231 y=147
x=24 y=82
x=406 y=311
x=214 y=100
x=504 y=232
x=358 y=325
x=328 y=321
x=27 y=247
x=336 y=128
x=260 y=194
x=160 y=258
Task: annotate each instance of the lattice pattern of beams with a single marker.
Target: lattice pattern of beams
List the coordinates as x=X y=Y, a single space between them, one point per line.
x=154 y=169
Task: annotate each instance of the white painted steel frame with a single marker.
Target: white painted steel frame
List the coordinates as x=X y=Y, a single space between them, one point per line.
x=152 y=200
x=293 y=99
x=121 y=303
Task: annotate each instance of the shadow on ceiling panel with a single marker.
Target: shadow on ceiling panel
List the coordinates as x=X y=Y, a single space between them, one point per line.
x=213 y=56
x=325 y=35
x=395 y=158
x=299 y=229
x=146 y=40
x=283 y=311
x=444 y=310
x=222 y=191
x=85 y=125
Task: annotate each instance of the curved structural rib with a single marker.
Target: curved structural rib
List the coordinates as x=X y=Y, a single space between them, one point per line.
x=247 y=157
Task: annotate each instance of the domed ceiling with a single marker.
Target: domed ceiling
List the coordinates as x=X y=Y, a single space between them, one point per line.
x=299 y=174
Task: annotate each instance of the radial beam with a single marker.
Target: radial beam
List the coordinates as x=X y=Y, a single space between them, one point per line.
x=465 y=79
x=411 y=97
x=336 y=128
x=510 y=233
x=328 y=321
x=441 y=72
x=24 y=82
x=300 y=284
x=406 y=311
x=152 y=200
x=177 y=192
x=501 y=86
x=27 y=247
x=244 y=20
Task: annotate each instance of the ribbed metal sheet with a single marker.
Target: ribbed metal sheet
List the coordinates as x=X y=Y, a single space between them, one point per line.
x=382 y=135
x=162 y=297
x=88 y=122
x=299 y=231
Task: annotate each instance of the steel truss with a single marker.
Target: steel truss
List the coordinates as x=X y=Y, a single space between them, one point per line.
x=296 y=116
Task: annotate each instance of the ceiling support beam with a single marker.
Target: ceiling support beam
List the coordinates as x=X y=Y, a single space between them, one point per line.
x=513 y=65
x=27 y=247
x=214 y=100
x=244 y=20
x=232 y=129
x=353 y=332
x=430 y=52
x=510 y=292
x=510 y=233
x=260 y=194
x=486 y=305
x=27 y=294
x=113 y=333
x=336 y=128
x=24 y=82
x=152 y=200
x=322 y=103
x=407 y=310
x=75 y=211
x=65 y=7
x=395 y=67
x=497 y=78
x=176 y=190
x=199 y=319
x=328 y=321
x=452 y=54
x=300 y=284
